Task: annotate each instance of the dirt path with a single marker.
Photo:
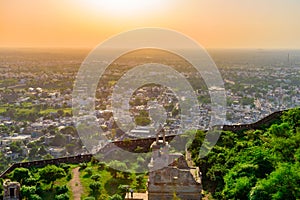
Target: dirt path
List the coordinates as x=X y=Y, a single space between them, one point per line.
x=75 y=184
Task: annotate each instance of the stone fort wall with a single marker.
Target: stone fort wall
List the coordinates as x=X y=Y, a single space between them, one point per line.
x=133 y=145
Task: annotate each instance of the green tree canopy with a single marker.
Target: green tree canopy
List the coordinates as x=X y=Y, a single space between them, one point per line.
x=50 y=173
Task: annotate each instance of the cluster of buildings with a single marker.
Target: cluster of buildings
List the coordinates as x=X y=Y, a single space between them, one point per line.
x=252 y=92
x=255 y=92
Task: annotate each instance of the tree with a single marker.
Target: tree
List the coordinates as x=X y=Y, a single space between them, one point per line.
x=89 y=171
x=27 y=191
x=140 y=180
x=115 y=197
x=292 y=117
x=239 y=180
x=50 y=173
x=20 y=175
x=122 y=189
x=35 y=197
x=95 y=177
x=33 y=151
x=31 y=181
x=64 y=196
x=61 y=189
x=95 y=187
x=283 y=183
x=15 y=147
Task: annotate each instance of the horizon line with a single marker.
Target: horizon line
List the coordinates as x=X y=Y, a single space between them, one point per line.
x=90 y=47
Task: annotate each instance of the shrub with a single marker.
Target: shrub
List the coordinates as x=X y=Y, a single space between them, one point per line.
x=35 y=197
x=64 y=196
x=115 y=197
x=96 y=177
x=82 y=166
x=61 y=189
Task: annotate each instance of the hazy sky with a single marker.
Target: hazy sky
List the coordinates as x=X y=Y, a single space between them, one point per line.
x=213 y=23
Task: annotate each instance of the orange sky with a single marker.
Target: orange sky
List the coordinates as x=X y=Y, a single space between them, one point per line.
x=213 y=23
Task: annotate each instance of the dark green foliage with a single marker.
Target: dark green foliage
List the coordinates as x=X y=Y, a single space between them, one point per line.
x=254 y=164
x=95 y=188
x=20 y=175
x=34 y=182
x=96 y=177
x=61 y=189
x=89 y=171
x=115 y=197
x=64 y=196
x=283 y=183
x=65 y=167
x=35 y=197
x=122 y=189
x=27 y=191
x=15 y=147
x=50 y=173
x=292 y=117
x=82 y=166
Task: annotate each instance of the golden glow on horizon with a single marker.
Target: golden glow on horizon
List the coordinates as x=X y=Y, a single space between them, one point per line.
x=213 y=23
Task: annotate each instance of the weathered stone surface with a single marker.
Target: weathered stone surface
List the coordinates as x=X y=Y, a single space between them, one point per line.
x=11 y=190
x=175 y=178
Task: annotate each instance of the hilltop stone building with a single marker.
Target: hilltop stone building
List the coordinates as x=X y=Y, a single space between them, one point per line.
x=170 y=174
x=11 y=190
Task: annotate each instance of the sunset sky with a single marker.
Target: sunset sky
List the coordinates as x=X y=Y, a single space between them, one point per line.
x=213 y=23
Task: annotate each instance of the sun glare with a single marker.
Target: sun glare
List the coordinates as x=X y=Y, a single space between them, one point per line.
x=123 y=8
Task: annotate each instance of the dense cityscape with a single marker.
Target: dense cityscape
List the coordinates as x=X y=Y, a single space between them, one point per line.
x=36 y=97
x=36 y=113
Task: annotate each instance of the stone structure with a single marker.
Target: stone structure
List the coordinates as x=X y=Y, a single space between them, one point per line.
x=171 y=175
x=11 y=190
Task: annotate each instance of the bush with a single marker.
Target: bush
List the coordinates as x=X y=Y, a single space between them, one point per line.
x=35 y=197
x=64 y=196
x=30 y=181
x=89 y=171
x=82 y=166
x=27 y=191
x=101 y=165
x=115 y=197
x=96 y=177
x=65 y=167
x=69 y=176
x=61 y=189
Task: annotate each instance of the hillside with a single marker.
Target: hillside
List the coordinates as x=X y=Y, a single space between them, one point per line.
x=259 y=163
x=254 y=164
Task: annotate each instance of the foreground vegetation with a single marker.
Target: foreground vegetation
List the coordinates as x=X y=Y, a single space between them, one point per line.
x=255 y=164
x=99 y=182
